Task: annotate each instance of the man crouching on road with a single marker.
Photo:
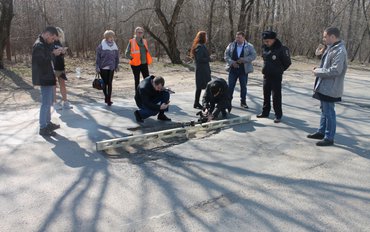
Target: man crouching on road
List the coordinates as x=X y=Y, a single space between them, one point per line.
x=216 y=97
x=152 y=98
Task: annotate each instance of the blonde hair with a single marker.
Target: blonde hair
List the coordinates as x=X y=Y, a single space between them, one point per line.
x=109 y=33
x=138 y=28
x=61 y=35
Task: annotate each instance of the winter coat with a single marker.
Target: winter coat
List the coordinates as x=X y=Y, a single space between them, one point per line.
x=107 y=56
x=202 y=68
x=332 y=71
x=248 y=56
x=276 y=60
x=42 y=69
x=146 y=94
x=222 y=100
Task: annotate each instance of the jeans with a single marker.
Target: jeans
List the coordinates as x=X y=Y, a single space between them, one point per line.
x=47 y=95
x=328 y=120
x=146 y=112
x=234 y=75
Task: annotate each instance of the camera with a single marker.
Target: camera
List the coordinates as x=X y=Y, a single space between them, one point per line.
x=202 y=117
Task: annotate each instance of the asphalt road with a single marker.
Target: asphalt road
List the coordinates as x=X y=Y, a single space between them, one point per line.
x=259 y=176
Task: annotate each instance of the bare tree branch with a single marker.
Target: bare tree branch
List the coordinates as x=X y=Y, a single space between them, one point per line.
x=43 y=12
x=133 y=14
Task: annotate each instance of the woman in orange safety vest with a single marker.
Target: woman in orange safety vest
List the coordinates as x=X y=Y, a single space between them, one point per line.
x=138 y=53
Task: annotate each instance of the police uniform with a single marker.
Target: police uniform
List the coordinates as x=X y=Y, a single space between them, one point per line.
x=276 y=60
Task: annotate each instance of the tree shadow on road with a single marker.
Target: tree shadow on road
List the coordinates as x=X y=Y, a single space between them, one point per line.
x=11 y=80
x=93 y=167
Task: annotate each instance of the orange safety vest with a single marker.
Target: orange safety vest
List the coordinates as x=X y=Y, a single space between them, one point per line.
x=135 y=53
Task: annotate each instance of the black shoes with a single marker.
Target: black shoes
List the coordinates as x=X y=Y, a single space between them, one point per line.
x=53 y=126
x=198 y=106
x=316 y=135
x=262 y=116
x=46 y=131
x=138 y=117
x=325 y=143
x=243 y=104
x=108 y=101
x=163 y=117
x=49 y=129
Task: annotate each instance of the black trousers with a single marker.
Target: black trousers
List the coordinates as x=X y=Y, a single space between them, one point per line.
x=143 y=68
x=272 y=86
x=107 y=76
x=197 y=96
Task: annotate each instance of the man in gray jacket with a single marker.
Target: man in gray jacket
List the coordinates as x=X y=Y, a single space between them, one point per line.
x=328 y=87
x=239 y=56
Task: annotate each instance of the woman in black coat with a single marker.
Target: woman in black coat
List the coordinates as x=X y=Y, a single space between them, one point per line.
x=202 y=69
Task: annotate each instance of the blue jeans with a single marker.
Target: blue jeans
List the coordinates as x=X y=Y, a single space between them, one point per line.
x=234 y=75
x=47 y=95
x=328 y=120
x=146 y=112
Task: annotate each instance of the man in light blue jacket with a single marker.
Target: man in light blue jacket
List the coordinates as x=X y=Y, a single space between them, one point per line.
x=328 y=87
x=239 y=56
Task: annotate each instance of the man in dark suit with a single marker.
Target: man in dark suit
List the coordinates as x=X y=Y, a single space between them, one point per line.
x=152 y=98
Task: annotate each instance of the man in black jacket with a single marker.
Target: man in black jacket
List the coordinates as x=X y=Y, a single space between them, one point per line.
x=216 y=97
x=43 y=75
x=276 y=59
x=152 y=98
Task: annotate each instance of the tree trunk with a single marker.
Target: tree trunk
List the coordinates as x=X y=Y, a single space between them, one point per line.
x=210 y=20
x=6 y=17
x=244 y=10
x=169 y=30
x=231 y=20
x=8 y=50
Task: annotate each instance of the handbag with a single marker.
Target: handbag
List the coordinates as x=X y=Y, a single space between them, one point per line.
x=98 y=83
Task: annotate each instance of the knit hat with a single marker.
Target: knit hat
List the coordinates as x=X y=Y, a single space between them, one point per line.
x=269 y=35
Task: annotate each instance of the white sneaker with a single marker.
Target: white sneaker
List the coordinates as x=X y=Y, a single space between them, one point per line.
x=67 y=106
x=57 y=106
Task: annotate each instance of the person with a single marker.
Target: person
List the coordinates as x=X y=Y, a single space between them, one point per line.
x=329 y=85
x=43 y=76
x=216 y=99
x=239 y=56
x=138 y=53
x=200 y=53
x=276 y=59
x=107 y=60
x=59 y=70
x=152 y=99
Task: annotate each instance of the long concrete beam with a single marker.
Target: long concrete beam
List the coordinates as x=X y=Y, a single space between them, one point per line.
x=176 y=132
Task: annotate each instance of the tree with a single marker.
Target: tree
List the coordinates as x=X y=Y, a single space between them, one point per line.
x=169 y=30
x=6 y=11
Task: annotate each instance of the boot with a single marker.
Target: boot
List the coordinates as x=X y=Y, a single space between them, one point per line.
x=162 y=117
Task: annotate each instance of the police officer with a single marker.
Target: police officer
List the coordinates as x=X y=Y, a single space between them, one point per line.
x=276 y=60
